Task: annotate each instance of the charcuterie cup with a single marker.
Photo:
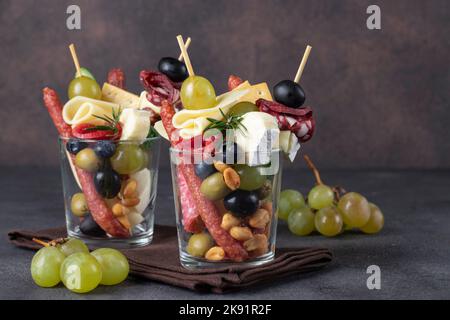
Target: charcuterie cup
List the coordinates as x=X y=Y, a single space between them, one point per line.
x=110 y=190
x=225 y=208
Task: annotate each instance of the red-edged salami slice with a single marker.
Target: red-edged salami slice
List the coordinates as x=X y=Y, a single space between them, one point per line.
x=299 y=121
x=159 y=87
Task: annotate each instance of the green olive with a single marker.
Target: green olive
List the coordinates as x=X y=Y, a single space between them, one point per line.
x=242 y=108
x=78 y=205
x=214 y=187
x=251 y=177
x=198 y=244
x=87 y=160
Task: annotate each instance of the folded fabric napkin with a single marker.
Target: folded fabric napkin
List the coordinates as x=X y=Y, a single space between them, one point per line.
x=159 y=262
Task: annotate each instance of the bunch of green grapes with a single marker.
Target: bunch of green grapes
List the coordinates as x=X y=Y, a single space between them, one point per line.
x=69 y=261
x=326 y=211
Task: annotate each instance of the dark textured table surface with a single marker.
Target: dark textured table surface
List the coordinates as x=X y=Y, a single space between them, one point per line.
x=412 y=250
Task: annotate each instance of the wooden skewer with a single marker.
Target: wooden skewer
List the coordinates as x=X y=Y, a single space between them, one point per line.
x=75 y=58
x=302 y=64
x=188 y=42
x=185 y=55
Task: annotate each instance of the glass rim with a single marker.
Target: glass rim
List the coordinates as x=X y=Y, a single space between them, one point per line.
x=173 y=149
x=61 y=138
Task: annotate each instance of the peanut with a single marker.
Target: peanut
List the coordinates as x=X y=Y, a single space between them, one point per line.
x=267 y=205
x=129 y=191
x=241 y=233
x=220 y=166
x=259 y=219
x=117 y=210
x=232 y=178
x=229 y=221
x=215 y=254
x=130 y=202
x=258 y=242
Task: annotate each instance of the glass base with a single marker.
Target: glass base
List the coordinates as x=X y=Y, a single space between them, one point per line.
x=193 y=263
x=140 y=240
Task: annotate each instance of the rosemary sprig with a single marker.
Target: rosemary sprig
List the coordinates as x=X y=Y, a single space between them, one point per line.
x=110 y=123
x=229 y=122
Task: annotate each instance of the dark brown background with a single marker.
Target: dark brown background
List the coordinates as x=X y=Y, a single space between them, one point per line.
x=381 y=97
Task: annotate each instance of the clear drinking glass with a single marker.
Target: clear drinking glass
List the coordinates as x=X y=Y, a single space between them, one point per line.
x=110 y=201
x=216 y=225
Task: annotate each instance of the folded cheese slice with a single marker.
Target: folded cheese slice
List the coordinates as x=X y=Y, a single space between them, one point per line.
x=82 y=110
x=144 y=103
x=193 y=122
x=117 y=95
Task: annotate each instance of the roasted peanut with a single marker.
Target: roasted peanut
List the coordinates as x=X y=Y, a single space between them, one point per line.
x=129 y=191
x=215 y=254
x=258 y=242
x=229 y=221
x=232 y=178
x=220 y=166
x=259 y=219
x=267 y=205
x=130 y=202
x=241 y=233
x=117 y=209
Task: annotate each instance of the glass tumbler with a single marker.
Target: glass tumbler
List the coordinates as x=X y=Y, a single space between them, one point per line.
x=225 y=209
x=109 y=190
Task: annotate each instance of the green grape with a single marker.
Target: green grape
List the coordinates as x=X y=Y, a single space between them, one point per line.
x=197 y=93
x=84 y=86
x=289 y=200
x=251 y=177
x=328 y=221
x=355 y=209
x=301 y=221
x=242 y=108
x=81 y=272
x=198 y=244
x=321 y=196
x=45 y=266
x=376 y=220
x=128 y=158
x=294 y=197
x=114 y=265
x=284 y=208
x=72 y=246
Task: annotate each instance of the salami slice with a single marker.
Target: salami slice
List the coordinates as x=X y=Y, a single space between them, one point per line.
x=190 y=217
x=299 y=121
x=54 y=107
x=159 y=88
x=234 y=82
x=116 y=77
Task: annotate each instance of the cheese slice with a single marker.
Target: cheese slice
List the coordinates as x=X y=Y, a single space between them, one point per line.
x=117 y=95
x=144 y=103
x=289 y=144
x=193 y=122
x=159 y=127
x=257 y=91
x=82 y=110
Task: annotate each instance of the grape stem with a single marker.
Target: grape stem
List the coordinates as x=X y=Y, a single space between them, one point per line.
x=313 y=168
x=52 y=243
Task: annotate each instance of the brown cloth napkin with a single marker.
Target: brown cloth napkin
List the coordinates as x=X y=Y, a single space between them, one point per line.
x=159 y=262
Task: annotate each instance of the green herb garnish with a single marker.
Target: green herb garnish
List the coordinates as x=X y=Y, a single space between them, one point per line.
x=111 y=123
x=152 y=133
x=233 y=122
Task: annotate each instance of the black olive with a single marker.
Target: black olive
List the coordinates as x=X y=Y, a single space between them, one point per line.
x=90 y=227
x=289 y=93
x=242 y=203
x=173 y=68
x=107 y=183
